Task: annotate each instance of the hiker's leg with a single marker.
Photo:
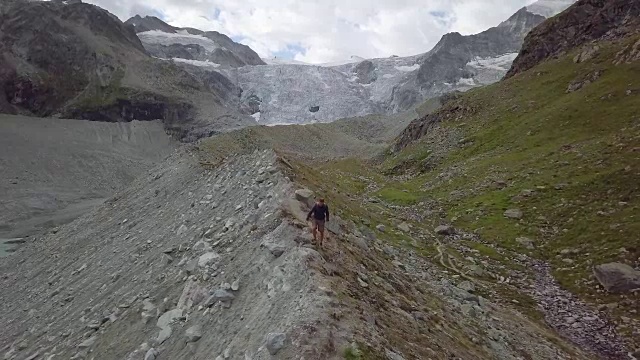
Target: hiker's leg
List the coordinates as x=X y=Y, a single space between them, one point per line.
x=315 y=229
x=321 y=236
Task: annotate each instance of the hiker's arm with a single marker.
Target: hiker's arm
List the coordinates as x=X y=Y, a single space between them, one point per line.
x=311 y=212
x=327 y=211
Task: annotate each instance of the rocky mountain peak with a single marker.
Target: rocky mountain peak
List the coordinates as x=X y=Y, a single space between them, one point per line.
x=169 y=42
x=520 y=23
x=585 y=21
x=149 y=23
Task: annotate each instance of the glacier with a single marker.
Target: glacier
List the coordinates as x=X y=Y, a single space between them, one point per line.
x=285 y=91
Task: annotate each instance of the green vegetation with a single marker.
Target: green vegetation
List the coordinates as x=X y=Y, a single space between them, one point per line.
x=569 y=160
x=352 y=353
x=96 y=96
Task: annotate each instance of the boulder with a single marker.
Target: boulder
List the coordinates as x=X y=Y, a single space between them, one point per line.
x=445 y=230
x=221 y=295
x=275 y=342
x=193 y=333
x=151 y=354
x=617 y=278
x=513 y=214
x=404 y=227
x=467 y=286
x=207 y=258
x=381 y=228
x=274 y=248
x=305 y=196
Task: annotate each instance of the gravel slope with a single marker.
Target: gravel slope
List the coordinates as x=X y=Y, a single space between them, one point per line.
x=54 y=170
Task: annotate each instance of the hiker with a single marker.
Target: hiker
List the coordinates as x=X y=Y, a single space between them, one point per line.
x=320 y=212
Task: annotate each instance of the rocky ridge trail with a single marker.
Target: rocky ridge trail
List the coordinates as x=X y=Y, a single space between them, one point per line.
x=182 y=254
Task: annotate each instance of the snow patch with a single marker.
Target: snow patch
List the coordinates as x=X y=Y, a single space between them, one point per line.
x=502 y=62
x=206 y=63
x=256 y=116
x=388 y=76
x=467 y=82
x=184 y=38
x=406 y=68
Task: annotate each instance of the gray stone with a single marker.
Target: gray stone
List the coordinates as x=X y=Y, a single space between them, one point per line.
x=151 y=354
x=191 y=266
x=526 y=242
x=88 y=343
x=468 y=310
x=475 y=270
x=274 y=248
x=221 y=295
x=617 y=278
x=94 y=325
x=181 y=230
x=445 y=230
x=275 y=342
x=467 y=286
x=165 y=320
x=404 y=227
x=235 y=286
x=164 y=335
x=381 y=228
x=513 y=214
x=305 y=196
x=193 y=333
x=207 y=258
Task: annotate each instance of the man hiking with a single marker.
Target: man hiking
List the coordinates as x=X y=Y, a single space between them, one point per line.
x=320 y=212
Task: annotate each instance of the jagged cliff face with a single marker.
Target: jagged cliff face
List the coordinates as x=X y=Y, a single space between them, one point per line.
x=587 y=20
x=452 y=60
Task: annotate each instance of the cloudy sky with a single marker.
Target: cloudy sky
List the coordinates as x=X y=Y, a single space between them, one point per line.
x=318 y=31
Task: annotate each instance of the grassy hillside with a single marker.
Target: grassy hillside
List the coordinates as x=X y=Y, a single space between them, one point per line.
x=570 y=161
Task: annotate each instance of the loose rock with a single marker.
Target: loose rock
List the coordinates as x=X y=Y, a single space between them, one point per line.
x=617 y=278
x=275 y=342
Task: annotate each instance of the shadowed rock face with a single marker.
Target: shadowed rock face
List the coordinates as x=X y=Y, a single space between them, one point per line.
x=50 y=52
x=75 y=60
x=585 y=21
x=365 y=72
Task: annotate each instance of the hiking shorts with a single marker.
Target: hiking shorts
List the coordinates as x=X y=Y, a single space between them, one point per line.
x=318 y=224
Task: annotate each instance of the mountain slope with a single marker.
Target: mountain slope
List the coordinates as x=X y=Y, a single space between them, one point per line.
x=54 y=170
x=587 y=21
x=299 y=93
x=165 y=41
x=549 y=8
x=544 y=164
x=78 y=61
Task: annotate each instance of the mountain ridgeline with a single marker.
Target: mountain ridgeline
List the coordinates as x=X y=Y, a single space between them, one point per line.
x=202 y=82
x=282 y=93
x=76 y=60
x=500 y=222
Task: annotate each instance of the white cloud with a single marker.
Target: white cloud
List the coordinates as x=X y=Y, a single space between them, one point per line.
x=319 y=31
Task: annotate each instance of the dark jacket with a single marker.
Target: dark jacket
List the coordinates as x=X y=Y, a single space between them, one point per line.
x=319 y=212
